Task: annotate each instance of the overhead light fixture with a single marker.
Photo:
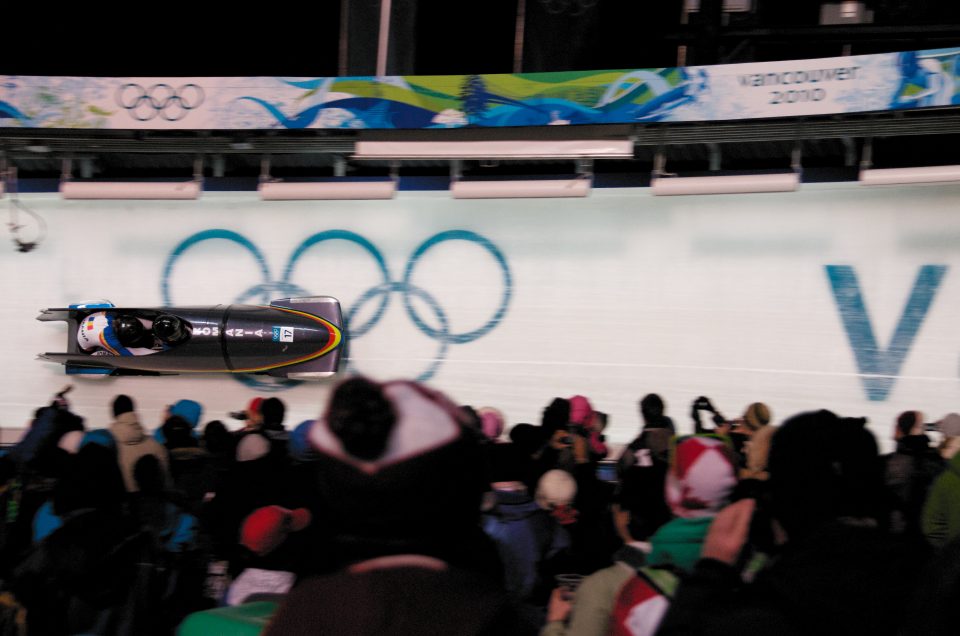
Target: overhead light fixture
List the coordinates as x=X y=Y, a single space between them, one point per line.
x=339 y=188
x=729 y=184
x=521 y=189
x=309 y=190
x=560 y=149
x=130 y=190
x=667 y=184
x=70 y=189
x=904 y=176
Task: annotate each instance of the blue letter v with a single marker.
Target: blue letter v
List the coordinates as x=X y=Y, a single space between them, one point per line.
x=879 y=368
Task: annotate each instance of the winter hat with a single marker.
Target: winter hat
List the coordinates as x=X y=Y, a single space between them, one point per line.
x=823 y=467
x=189 y=410
x=491 y=422
x=100 y=437
x=254 y=405
x=372 y=425
x=756 y=415
x=251 y=447
x=701 y=477
x=298 y=446
x=581 y=412
x=556 y=488
x=265 y=529
x=950 y=425
x=122 y=404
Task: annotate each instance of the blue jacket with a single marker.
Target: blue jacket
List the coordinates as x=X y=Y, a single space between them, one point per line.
x=526 y=536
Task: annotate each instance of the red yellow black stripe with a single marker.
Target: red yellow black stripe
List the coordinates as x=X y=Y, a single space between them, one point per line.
x=333 y=341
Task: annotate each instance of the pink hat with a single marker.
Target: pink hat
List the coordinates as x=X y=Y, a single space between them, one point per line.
x=581 y=412
x=491 y=422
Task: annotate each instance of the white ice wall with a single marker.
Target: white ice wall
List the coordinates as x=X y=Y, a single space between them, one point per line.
x=611 y=296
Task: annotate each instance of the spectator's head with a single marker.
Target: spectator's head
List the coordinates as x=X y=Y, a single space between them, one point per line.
x=652 y=410
x=581 y=411
x=273 y=411
x=101 y=437
x=651 y=407
x=701 y=477
x=299 y=446
x=949 y=427
x=471 y=418
x=823 y=467
x=254 y=416
x=178 y=433
x=556 y=416
x=555 y=489
x=122 y=404
x=189 y=410
x=216 y=438
x=491 y=422
x=527 y=437
x=908 y=423
x=362 y=417
x=265 y=529
x=756 y=417
x=506 y=465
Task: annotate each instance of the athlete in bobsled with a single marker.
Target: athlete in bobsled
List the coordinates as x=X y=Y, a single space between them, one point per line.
x=106 y=333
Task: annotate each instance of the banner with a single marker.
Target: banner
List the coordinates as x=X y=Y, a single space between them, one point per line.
x=890 y=81
x=836 y=296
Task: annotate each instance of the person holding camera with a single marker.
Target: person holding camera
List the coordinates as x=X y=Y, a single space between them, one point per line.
x=836 y=570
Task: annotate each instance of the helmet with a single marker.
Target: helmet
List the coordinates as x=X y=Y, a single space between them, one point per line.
x=169 y=328
x=128 y=329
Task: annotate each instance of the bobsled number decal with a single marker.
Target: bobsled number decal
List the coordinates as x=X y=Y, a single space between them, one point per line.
x=283 y=334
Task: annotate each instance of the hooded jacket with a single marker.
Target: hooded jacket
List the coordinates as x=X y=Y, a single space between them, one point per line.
x=132 y=444
x=941 y=513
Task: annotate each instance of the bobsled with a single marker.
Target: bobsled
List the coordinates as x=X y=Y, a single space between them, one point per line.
x=296 y=338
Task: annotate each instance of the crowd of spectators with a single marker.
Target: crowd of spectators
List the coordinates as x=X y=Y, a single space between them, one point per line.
x=397 y=511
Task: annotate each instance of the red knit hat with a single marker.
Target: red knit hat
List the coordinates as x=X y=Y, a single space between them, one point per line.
x=266 y=528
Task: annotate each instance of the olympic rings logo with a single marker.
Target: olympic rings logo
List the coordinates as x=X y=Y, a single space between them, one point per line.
x=172 y=104
x=381 y=293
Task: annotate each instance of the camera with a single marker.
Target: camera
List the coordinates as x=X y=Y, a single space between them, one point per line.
x=702 y=403
x=238 y=415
